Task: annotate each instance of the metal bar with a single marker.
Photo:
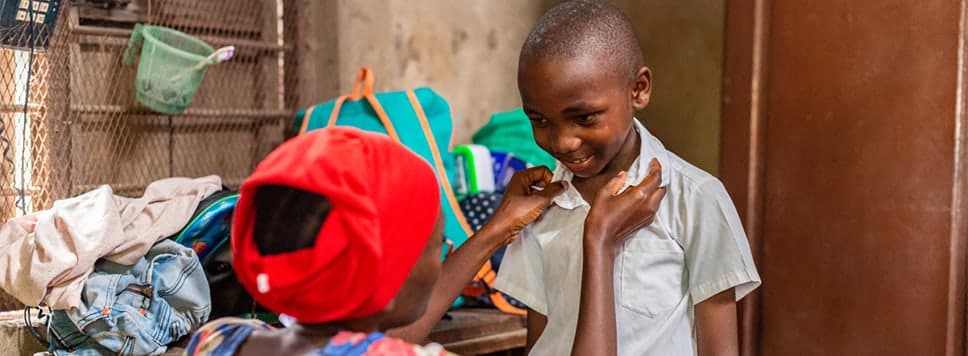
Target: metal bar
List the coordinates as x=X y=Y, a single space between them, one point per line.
x=264 y=114
x=11 y=192
x=137 y=187
x=11 y=107
x=218 y=41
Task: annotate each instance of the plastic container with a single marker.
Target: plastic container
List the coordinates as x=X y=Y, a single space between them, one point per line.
x=170 y=69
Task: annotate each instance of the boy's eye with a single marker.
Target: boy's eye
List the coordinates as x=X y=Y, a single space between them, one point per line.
x=586 y=118
x=539 y=121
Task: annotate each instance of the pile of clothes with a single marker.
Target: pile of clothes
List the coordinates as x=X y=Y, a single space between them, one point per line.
x=105 y=266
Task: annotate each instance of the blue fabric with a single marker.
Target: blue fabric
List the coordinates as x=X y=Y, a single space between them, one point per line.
x=211 y=227
x=135 y=309
x=505 y=166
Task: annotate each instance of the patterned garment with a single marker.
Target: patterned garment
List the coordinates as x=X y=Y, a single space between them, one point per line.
x=479 y=207
x=223 y=337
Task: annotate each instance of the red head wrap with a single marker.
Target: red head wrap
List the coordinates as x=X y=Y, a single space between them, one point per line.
x=385 y=203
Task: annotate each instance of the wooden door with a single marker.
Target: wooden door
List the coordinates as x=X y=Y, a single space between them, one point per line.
x=843 y=147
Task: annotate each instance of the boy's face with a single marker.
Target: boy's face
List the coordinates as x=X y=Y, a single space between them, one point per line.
x=581 y=109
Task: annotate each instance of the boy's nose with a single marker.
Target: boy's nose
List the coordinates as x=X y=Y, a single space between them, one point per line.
x=564 y=143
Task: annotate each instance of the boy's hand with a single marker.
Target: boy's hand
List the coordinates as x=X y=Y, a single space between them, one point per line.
x=522 y=204
x=613 y=216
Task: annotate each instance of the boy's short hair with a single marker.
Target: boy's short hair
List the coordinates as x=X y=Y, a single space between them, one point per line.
x=585 y=27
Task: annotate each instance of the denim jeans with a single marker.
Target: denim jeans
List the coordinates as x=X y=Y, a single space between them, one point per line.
x=135 y=310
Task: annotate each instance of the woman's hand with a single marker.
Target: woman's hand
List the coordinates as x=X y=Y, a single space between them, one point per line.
x=614 y=217
x=527 y=195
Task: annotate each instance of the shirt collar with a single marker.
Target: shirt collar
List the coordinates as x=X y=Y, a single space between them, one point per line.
x=650 y=147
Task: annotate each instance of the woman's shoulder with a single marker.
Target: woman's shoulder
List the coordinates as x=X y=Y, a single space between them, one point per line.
x=223 y=336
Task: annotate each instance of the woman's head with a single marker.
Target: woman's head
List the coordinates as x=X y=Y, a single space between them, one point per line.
x=338 y=224
x=411 y=302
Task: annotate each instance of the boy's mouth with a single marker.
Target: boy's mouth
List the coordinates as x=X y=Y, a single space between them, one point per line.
x=575 y=165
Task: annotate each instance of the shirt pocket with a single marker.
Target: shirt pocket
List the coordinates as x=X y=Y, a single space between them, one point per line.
x=651 y=274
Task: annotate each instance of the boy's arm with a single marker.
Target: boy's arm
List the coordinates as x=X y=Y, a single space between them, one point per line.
x=720 y=265
x=716 y=325
x=536 y=326
x=596 y=333
x=612 y=218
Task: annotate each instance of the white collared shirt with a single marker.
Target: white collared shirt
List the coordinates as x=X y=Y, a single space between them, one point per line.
x=694 y=249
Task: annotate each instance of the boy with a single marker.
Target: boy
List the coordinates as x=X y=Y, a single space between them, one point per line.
x=596 y=283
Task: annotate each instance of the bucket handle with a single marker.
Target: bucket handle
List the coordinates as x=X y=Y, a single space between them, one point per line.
x=134 y=43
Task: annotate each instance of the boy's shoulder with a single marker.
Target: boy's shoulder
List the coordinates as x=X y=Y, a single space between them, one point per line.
x=681 y=177
x=686 y=178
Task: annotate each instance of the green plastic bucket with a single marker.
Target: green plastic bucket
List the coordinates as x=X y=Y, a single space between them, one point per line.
x=170 y=69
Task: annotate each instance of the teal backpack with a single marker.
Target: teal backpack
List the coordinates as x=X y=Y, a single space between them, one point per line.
x=419 y=119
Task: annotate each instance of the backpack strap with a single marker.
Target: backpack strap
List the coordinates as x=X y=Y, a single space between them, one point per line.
x=364 y=84
x=305 y=120
x=438 y=161
x=333 y=115
x=382 y=114
x=486 y=276
x=503 y=305
x=362 y=89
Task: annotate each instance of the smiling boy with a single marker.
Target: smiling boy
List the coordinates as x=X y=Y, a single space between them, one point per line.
x=668 y=288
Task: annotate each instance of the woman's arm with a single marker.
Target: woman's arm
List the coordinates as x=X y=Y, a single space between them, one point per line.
x=716 y=325
x=457 y=271
x=612 y=218
x=520 y=206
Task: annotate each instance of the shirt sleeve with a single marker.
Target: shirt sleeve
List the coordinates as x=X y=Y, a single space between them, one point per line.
x=521 y=273
x=717 y=252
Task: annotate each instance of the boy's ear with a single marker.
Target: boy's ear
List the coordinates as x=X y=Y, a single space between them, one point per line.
x=642 y=88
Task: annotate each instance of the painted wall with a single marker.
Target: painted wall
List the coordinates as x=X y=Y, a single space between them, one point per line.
x=466 y=51
x=682 y=42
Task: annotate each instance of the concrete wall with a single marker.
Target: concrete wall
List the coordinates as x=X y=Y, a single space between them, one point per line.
x=467 y=51
x=683 y=44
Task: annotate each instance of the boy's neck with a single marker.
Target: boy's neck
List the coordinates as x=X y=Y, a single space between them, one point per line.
x=621 y=162
x=625 y=156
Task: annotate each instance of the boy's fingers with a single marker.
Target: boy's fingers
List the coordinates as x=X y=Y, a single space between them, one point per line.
x=656 y=199
x=655 y=166
x=615 y=184
x=652 y=181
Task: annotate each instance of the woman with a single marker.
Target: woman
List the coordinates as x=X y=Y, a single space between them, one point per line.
x=341 y=229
